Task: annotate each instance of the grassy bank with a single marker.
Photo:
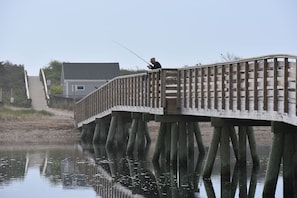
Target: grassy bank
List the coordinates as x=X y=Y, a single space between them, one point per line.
x=9 y=114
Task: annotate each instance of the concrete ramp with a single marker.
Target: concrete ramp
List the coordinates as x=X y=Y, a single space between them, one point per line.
x=37 y=93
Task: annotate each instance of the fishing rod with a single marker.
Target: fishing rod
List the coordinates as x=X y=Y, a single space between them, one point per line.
x=123 y=46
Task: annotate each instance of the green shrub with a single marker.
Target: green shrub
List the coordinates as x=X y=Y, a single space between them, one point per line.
x=56 y=89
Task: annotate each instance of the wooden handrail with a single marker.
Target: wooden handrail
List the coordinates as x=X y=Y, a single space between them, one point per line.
x=261 y=88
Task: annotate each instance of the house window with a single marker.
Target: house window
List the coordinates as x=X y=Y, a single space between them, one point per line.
x=79 y=87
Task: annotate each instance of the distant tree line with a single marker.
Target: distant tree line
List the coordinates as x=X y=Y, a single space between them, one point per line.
x=12 y=85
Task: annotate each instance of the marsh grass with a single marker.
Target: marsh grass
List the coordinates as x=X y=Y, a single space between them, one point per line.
x=9 y=114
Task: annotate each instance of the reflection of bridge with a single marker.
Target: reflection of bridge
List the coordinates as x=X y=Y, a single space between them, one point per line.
x=243 y=93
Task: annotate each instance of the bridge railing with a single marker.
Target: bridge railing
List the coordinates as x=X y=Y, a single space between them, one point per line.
x=146 y=92
x=262 y=88
x=257 y=88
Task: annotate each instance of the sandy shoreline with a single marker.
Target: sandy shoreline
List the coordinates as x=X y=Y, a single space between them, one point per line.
x=60 y=129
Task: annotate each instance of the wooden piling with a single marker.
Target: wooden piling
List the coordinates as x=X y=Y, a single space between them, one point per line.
x=146 y=133
x=96 y=138
x=103 y=131
x=167 y=143
x=174 y=141
x=182 y=134
x=83 y=132
x=190 y=139
x=242 y=146
x=87 y=133
x=140 y=137
x=225 y=153
x=275 y=157
x=111 y=131
x=234 y=140
x=211 y=155
x=288 y=165
x=198 y=137
x=132 y=136
x=160 y=142
x=253 y=146
x=120 y=137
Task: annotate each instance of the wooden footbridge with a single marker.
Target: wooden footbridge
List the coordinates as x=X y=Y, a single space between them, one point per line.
x=242 y=93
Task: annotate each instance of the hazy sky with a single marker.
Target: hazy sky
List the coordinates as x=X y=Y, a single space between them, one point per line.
x=176 y=32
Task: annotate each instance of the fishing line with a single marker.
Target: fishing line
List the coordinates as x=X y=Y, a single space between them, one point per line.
x=131 y=51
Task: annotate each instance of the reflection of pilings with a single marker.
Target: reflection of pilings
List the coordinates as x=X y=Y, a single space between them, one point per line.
x=178 y=181
x=283 y=147
x=229 y=188
x=253 y=181
x=27 y=163
x=209 y=188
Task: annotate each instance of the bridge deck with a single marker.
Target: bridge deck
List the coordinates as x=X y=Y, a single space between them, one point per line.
x=260 y=88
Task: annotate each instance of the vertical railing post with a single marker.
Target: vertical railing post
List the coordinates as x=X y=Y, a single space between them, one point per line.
x=163 y=89
x=286 y=85
x=238 y=87
x=230 y=87
x=265 y=92
x=223 y=87
x=275 y=83
x=255 y=85
x=215 y=87
x=208 y=88
x=246 y=86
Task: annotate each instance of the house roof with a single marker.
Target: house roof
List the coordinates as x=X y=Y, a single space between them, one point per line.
x=90 y=71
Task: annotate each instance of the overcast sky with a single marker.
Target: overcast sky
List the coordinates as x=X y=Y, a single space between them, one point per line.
x=176 y=32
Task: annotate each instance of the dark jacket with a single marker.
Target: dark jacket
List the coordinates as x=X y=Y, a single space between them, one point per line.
x=156 y=65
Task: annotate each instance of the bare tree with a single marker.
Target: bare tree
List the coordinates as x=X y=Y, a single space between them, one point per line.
x=229 y=57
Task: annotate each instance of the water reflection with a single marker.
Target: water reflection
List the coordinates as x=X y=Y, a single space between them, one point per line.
x=92 y=171
x=40 y=171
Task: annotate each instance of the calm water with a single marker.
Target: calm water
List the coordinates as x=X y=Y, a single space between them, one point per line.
x=86 y=171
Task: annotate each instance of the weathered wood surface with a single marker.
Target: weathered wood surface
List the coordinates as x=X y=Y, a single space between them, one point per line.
x=260 y=88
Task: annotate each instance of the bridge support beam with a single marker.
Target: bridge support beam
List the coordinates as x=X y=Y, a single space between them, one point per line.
x=117 y=132
x=283 y=148
x=244 y=131
x=180 y=130
x=223 y=133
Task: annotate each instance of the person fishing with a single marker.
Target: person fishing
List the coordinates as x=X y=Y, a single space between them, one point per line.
x=155 y=64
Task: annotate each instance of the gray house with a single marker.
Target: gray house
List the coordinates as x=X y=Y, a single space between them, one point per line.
x=79 y=79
